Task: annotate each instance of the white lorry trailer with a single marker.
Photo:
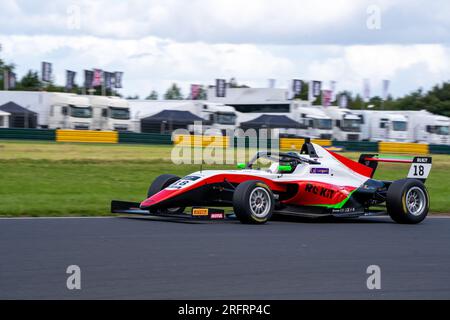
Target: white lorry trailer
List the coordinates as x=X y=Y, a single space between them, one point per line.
x=110 y=113
x=346 y=124
x=219 y=116
x=55 y=110
x=316 y=124
x=379 y=125
x=426 y=127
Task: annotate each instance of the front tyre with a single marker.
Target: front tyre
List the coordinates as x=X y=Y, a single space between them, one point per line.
x=407 y=201
x=162 y=182
x=253 y=202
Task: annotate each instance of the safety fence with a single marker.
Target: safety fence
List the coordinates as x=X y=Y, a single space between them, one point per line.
x=89 y=136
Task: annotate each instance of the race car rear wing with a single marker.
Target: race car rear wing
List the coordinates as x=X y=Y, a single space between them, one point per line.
x=420 y=166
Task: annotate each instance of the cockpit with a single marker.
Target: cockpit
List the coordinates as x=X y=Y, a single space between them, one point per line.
x=282 y=162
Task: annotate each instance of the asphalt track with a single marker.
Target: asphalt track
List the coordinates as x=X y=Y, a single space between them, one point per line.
x=130 y=258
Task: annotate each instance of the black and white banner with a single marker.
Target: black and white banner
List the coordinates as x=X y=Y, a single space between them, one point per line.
x=70 y=79
x=88 y=78
x=108 y=79
x=221 y=88
x=46 y=71
x=343 y=101
x=315 y=90
x=297 y=85
x=118 y=79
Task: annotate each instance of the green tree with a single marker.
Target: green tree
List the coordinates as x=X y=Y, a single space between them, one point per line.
x=135 y=97
x=234 y=84
x=173 y=93
x=152 y=96
x=30 y=82
x=4 y=67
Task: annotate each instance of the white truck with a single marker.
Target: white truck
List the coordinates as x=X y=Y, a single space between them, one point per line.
x=315 y=123
x=220 y=116
x=346 y=124
x=377 y=125
x=426 y=127
x=110 y=113
x=4 y=119
x=55 y=110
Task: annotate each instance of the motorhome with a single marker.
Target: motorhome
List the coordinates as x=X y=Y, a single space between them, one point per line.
x=110 y=113
x=426 y=127
x=55 y=110
x=4 y=119
x=346 y=124
x=383 y=126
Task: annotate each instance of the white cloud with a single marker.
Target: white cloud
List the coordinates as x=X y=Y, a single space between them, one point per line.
x=235 y=21
x=153 y=63
x=162 y=41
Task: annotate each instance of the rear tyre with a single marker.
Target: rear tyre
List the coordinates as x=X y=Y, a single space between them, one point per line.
x=407 y=201
x=162 y=182
x=253 y=202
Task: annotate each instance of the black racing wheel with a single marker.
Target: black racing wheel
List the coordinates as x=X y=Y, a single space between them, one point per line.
x=253 y=202
x=407 y=201
x=162 y=182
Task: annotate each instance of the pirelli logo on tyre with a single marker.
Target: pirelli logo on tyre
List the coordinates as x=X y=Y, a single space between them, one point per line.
x=202 y=212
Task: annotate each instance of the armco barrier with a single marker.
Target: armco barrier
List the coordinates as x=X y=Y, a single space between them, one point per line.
x=86 y=136
x=364 y=146
x=296 y=143
x=27 y=134
x=199 y=140
x=145 y=138
x=400 y=147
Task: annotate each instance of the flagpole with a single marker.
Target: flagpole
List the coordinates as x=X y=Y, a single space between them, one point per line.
x=5 y=79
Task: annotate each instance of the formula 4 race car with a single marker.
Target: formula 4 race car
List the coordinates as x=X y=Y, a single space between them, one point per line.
x=314 y=182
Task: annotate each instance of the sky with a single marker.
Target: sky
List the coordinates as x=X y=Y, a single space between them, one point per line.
x=158 y=42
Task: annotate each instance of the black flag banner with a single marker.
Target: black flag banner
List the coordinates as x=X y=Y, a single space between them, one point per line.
x=316 y=88
x=296 y=87
x=70 y=79
x=107 y=78
x=46 y=71
x=221 y=88
x=118 y=79
x=88 y=78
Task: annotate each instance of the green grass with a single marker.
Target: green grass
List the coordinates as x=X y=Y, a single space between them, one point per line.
x=54 y=179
